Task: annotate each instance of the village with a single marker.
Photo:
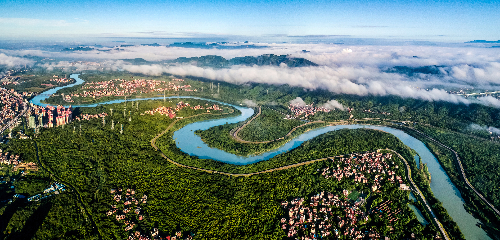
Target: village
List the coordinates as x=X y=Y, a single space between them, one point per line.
x=306 y=110
x=358 y=167
x=121 y=87
x=60 y=80
x=90 y=116
x=128 y=210
x=17 y=164
x=12 y=159
x=171 y=112
x=318 y=217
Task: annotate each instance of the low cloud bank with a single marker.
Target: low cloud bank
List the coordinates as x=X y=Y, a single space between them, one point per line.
x=358 y=80
x=298 y=102
x=358 y=70
x=488 y=101
x=477 y=127
x=332 y=105
x=13 y=62
x=250 y=103
x=342 y=80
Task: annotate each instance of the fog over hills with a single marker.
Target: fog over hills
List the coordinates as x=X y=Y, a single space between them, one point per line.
x=421 y=72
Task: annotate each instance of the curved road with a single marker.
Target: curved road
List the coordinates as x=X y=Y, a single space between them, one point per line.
x=461 y=170
x=234 y=133
x=153 y=144
x=420 y=194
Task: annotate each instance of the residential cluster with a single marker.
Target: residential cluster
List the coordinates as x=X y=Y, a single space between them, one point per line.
x=9 y=159
x=11 y=103
x=169 y=111
x=121 y=87
x=129 y=205
x=91 y=116
x=10 y=82
x=306 y=110
x=318 y=218
x=48 y=116
x=214 y=107
x=385 y=207
x=162 y=110
x=180 y=105
x=60 y=80
x=369 y=168
x=128 y=209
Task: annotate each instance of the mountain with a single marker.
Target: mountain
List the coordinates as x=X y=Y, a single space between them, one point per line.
x=263 y=60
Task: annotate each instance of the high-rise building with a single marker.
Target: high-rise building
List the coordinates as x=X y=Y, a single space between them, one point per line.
x=31 y=122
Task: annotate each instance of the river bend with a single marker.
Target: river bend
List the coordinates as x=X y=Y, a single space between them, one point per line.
x=190 y=143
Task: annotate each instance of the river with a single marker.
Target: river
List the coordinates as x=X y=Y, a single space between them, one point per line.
x=190 y=143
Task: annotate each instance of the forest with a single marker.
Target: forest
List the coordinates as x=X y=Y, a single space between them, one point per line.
x=95 y=159
x=123 y=159
x=483 y=177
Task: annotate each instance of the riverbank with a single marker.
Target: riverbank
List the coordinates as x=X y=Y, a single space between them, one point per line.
x=473 y=204
x=197 y=160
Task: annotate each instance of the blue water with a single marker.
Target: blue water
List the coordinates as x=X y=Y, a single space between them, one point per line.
x=441 y=185
x=420 y=216
x=190 y=143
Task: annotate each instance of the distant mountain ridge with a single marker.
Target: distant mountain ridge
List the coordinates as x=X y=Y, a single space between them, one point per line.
x=415 y=71
x=263 y=60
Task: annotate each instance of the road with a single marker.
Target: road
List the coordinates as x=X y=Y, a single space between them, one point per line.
x=234 y=133
x=462 y=172
x=79 y=197
x=414 y=186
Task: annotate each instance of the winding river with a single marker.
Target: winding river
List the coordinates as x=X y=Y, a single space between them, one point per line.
x=190 y=143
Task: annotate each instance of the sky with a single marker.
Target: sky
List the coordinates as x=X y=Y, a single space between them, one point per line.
x=376 y=35
x=445 y=21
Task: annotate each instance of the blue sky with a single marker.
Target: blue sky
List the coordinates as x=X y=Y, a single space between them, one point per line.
x=448 y=21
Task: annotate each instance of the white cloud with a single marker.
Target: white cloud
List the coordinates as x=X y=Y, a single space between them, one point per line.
x=359 y=72
x=298 y=102
x=333 y=104
x=346 y=80
x=488 y=101
x=11 y=62
x=250 y=103
x=477 y=127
